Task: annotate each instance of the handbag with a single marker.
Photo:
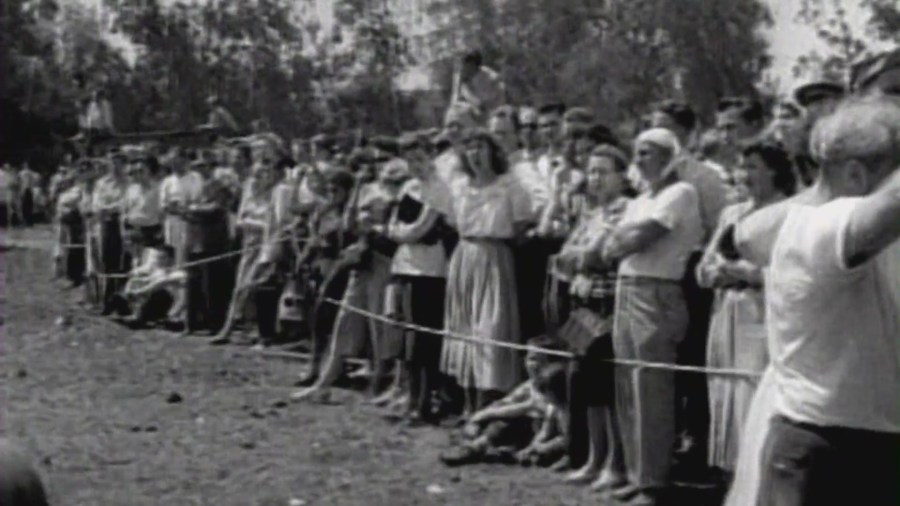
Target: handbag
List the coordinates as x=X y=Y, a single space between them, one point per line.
x=582 y=328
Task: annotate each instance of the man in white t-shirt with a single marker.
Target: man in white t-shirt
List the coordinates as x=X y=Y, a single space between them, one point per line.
x=833 y=311
x=657 y=233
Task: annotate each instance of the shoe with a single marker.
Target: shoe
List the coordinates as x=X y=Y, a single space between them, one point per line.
x=561 y=465
x=219 y=341
x=461 y=456
x=624 y=492
x=308 y=379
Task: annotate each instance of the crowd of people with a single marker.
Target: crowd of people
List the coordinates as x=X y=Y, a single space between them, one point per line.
x=548 y=276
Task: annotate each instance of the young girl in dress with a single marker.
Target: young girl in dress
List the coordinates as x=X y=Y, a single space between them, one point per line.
x=488 y=208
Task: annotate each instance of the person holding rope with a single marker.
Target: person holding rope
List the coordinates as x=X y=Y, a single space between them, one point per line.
x=254 y=222
x=369 y=264
x=70 y=253
x=111 y=257
x=141 y=210
x=328 y=237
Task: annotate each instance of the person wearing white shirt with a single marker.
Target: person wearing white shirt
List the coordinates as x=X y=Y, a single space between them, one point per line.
x=692 y=390
x=141 y=211
x=833 y=309
x=656 y=235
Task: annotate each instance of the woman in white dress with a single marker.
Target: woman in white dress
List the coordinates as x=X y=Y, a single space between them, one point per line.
x=737 y=336
x=488 y=208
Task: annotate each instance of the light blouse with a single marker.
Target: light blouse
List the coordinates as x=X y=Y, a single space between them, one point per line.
x=486 y=212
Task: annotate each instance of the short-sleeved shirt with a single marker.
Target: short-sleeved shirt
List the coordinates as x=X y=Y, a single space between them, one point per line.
x=711 y=190
x=484 y=212
x=142 y=207
x=834 y=330
x=677 y=209
x=417 y=258
x=108 y=193
x=524 y=166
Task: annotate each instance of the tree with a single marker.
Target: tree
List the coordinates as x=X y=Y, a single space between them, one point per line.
x=845 y=44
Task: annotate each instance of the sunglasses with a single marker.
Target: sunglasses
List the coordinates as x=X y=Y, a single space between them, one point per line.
x=528 y=126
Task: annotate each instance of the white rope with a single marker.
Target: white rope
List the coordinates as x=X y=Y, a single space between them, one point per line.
x=637 y=364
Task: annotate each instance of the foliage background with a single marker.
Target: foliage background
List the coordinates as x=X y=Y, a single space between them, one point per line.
x=267 y=59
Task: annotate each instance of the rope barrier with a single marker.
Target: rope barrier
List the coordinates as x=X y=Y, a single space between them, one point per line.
x=637 y=364
x=239 y=252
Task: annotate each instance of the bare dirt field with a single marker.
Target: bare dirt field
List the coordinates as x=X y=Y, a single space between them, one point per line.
x=114 y=417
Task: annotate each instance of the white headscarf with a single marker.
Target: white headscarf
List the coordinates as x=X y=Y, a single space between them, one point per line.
x=663 y=138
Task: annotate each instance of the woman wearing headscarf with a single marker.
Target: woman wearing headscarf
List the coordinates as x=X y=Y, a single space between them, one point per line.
x=737 y=335
x=652 y=243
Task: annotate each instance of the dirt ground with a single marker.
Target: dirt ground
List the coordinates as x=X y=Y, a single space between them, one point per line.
x=97 y=407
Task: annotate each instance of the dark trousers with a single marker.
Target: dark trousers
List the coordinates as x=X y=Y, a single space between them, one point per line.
x=531 y=274
x=74 y=256
x=590 y=384
x=208 y=292
x=811 y=465
x=113 y=260
x=265 y=298
x=423 y=350
x=692 y=390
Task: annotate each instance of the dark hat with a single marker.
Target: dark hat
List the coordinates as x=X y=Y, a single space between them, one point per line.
x=385 y=143
x=339 y=177
x=867 y=71
x=816 y=91
x=681 y=113
x=602 y=134
x=552 y=107
x=613 y=152
x=322 y=141
x=750 y=110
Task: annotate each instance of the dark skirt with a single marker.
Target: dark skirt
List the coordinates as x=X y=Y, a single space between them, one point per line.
x=423 y=304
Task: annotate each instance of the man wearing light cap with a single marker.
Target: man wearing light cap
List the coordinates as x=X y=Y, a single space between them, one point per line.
x=652 y=243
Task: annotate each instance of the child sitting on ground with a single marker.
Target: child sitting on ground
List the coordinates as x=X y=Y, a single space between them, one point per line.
x=154 y=287
x=526 y=426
